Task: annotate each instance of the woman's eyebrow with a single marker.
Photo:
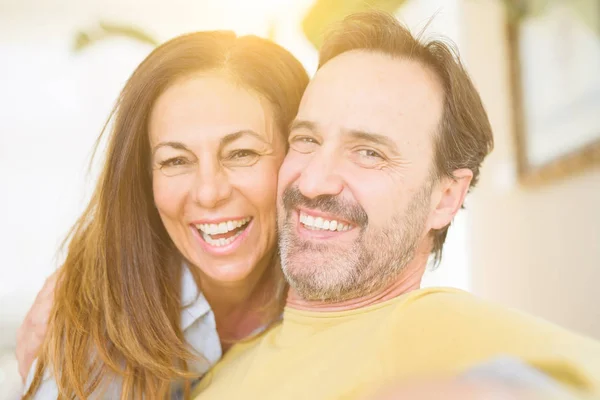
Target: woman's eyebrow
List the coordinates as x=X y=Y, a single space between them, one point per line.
x=175 y=145
x=231 y=137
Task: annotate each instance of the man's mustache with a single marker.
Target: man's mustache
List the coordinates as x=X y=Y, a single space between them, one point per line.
x=351 y=212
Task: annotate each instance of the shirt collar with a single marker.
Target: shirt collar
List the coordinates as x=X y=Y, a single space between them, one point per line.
x=193 y=301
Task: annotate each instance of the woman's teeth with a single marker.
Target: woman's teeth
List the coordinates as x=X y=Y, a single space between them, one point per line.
x=223 y=228
x=220 y=242
x=321 y=224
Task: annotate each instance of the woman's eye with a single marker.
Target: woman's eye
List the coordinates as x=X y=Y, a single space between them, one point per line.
x=175 y=166
x=243 y=154
x=241 y=158
x=303 y=144
x=174 y=162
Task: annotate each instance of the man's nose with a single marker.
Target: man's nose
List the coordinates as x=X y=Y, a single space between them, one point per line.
x=321 y=177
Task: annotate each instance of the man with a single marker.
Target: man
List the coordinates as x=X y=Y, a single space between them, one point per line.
x=388 y=140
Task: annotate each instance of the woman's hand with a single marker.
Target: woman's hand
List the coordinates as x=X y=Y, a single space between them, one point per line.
x=32 y=331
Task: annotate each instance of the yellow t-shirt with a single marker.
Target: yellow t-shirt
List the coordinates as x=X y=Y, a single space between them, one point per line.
x=439 y=332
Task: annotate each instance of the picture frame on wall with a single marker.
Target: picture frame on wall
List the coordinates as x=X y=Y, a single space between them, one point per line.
x=554 y=49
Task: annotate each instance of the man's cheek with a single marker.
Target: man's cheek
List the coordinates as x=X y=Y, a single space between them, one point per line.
x=290 y=170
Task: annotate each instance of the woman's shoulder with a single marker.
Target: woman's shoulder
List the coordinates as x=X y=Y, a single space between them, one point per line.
x=198 y=326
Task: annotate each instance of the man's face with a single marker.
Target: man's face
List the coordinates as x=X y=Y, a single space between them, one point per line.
x=355 y=190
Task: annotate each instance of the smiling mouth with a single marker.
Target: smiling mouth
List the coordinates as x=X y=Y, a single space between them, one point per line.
x=223 y=233
x=322 y=224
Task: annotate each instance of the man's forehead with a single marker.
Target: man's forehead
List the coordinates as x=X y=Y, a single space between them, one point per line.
x=374 y=92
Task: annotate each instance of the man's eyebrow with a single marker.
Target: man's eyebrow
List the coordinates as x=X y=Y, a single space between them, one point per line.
x=375 y=138
x=303 y=124
x=355 y=134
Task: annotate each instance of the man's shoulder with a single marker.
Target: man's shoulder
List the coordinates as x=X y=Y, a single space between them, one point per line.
x=463 y=310
x=473 y=330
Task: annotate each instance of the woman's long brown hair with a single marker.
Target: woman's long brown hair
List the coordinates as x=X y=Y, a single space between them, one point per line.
x=117 y=305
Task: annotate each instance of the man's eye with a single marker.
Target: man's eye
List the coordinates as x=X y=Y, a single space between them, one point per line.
x=370 y=154
x=367 y=158
x=303 y=144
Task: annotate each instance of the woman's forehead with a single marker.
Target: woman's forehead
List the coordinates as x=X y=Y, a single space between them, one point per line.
x=209 y=106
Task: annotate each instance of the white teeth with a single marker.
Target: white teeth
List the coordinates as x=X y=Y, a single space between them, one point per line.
x=224 y=227
x=319 y=223
x=310 y=220
x=219 y=242
x=333 y=225
x=342 y=227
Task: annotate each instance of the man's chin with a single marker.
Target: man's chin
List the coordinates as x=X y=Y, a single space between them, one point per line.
x=314 y=279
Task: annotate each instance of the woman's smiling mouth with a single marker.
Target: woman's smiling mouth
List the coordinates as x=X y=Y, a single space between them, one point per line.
x=222 y=236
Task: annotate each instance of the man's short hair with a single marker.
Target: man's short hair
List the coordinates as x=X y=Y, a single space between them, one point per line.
x=464 y=137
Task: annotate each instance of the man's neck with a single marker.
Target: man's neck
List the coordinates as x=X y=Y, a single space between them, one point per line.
x=407 y=281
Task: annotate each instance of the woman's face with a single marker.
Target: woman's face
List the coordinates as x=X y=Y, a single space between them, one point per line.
x=216 y=151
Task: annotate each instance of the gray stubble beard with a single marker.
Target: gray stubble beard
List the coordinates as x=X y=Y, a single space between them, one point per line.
x=376 y=258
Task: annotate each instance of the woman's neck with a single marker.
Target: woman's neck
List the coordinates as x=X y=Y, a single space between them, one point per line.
x=242 y=308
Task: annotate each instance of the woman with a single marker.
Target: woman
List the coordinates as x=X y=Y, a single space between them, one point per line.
x=183 y=217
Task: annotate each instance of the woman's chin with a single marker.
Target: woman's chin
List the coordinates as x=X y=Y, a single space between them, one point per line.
x=227 y=273
x=235 y=262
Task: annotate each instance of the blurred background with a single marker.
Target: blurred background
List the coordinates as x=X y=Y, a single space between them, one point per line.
x=530 y=234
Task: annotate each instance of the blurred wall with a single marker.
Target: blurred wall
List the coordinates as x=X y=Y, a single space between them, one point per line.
x=537 y=249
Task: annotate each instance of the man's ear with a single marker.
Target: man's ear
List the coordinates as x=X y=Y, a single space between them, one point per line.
x=450 y=198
